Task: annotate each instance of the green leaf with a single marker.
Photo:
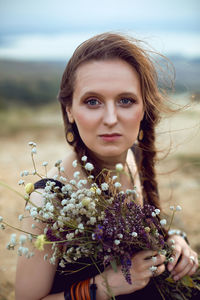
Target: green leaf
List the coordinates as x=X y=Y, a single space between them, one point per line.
x=187 y=281
x=114 y=265
x=170 y=279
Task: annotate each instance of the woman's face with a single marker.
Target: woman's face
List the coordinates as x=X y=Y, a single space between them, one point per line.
x=107 y=107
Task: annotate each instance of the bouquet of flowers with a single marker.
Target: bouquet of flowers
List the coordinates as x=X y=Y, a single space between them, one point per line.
x=98 y=221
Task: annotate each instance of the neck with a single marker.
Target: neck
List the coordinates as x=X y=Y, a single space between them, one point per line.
x=108 y=162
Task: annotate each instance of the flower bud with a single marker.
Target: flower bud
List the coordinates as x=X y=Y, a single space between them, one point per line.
x=29 y=188
x=119 y=167
x=86 y=201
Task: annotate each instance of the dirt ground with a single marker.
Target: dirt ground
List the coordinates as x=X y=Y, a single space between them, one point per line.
x=178 y=174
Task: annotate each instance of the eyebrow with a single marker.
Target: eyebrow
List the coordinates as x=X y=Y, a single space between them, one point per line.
x=123 y=94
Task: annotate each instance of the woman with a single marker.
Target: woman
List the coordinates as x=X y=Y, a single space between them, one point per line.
x=110 y=101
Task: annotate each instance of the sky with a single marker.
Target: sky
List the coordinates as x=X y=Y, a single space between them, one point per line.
x=49 y=29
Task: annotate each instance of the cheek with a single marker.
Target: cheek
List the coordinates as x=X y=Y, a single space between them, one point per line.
x=135 y=118
x=85 y=121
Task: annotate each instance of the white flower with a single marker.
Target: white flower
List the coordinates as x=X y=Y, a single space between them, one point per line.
x=154 y=259
x=119 y=167
x=46 y=215
x=117 y=242
x=104 y=186
x=98 y=191
x=120 y=236
x=157 y=211
x=178 y=208
x=33 y=226
x=153 y=268
x=1 y=218
x=134 y=234
x=114 y=178
x=93 y=220
x=171 y=207
x=34 y=151
x=13 y=239
x=55 y=177
x=117 y=184
x=73 y=182
x=45 y=163
x=33 y=212
x=66 y=188
x=47 y=189
x=83 y=181
x=58 y=162
x=76 y=174
x=153 y=214
x=171 y=259
x=22 y=239
x=74 y=163
x=162 y=251
x=84 y=158
x=49 y=207
x=20 y=217
x=86 y=201
x=21 y=181
x=63 y=178
x=45 y=256
x=89 y=166
x=172 y=242
x=32 y=144
x=62 y=169
x=64 y=201
x=81 y=227
x=163 y=222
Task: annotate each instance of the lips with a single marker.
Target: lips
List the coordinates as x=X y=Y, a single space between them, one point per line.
x=110 y=134
x=110 y=137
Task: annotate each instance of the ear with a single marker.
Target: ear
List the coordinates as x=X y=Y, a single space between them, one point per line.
x=142 y=117
x=69 y=114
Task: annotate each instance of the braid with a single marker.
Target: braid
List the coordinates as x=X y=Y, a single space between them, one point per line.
x=147 y=164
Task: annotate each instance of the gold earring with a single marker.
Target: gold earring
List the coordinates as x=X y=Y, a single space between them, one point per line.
x=141 y=135
x=70 y=136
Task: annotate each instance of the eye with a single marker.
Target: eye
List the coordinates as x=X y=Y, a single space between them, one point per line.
x=92 y=102
x=126 y=101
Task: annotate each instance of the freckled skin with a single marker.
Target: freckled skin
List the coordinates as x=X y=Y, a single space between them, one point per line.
x=107 y=85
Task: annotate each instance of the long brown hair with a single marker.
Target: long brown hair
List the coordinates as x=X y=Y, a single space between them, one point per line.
x=111 y=46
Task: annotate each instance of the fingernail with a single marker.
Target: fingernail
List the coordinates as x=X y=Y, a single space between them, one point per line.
x=175 y=278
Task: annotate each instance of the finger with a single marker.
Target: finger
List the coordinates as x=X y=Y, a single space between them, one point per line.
x=185 y=263
x=155 y=260
x=193 y=270
x=176 y=254
x=159 y=270
x=146 y=254
x=184 y=272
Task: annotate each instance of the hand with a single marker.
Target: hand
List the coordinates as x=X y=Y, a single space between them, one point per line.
x=182 y=264
x=140 y=273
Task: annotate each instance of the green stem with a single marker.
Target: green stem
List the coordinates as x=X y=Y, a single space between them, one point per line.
x=11 y=189
x=18 y=229
x=172 y=218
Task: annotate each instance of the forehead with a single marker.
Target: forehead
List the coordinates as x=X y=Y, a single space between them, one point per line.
x=106 y=74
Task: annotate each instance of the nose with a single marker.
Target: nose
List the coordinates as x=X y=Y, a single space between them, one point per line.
x=110 y=114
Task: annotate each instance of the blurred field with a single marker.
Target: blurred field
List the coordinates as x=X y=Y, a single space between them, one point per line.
x=179 y=173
